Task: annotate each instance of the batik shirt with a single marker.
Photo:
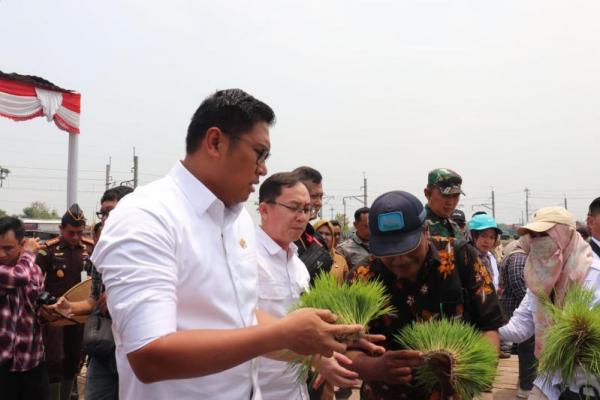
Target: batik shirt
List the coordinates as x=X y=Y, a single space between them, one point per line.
x=21 y=346
x=453 y=283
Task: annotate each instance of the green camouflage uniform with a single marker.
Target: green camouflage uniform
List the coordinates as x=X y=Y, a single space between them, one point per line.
x=444 y=227
x=448 y=182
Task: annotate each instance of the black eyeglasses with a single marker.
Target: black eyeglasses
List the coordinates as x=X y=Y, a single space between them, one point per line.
x=261 y=155
x=297 y=209
x=101 y=214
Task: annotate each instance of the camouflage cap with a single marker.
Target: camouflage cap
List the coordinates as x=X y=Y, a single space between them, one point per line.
x=446 y=180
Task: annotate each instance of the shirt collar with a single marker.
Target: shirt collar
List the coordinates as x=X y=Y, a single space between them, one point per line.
x=431 y=215
x=597 y=241
x=358 y=240
x=199 y=196
x=269 y=244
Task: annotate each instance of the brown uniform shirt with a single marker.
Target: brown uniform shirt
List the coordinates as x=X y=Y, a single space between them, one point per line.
x=62 y=264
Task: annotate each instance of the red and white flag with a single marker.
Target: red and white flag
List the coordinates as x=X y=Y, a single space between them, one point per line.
x=26 y=97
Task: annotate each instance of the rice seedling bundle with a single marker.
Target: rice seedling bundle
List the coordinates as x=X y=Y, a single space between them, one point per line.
x=359 y=302
x=572 y=339
x=459 y=361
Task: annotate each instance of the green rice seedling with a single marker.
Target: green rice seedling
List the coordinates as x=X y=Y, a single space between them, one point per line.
x=459 y=361
x=572 y=339
x=358 y=302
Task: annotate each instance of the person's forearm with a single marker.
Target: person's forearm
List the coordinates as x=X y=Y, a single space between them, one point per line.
x=494 y=338
x=83 y=307
x=189 y=354
x=18 y=275
x=364 y=364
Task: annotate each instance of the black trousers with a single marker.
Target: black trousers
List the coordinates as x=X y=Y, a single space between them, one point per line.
x=26 y=385
x=527 y=363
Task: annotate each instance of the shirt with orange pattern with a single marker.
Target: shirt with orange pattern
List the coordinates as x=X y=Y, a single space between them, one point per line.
x=452 y=283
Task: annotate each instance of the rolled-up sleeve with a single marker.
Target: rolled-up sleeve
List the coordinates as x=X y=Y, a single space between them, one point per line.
x=18 y=275
x=136 y=256
x=521 y=326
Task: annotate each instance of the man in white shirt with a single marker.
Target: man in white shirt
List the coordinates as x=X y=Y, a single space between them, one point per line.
x=285 y=207
x=593 y=223
x=558 y=256
x=178 y=260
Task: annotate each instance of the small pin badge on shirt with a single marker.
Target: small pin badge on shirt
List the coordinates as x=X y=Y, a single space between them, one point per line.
x=243 y=244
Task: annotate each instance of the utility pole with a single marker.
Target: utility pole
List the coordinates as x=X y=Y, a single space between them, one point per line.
x=364 y=188
x=493 y=204
x=526 y=205
x=135 y=169
x=107 y=183
x=3 y=175
x=566 y=202
x=490 y=206
x=331 y=212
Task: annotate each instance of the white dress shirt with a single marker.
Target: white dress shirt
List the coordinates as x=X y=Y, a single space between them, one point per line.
x=174 y=258
x=282 y=278
x=521 y=327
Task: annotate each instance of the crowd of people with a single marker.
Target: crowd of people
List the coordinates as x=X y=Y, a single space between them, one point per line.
x=197 y=297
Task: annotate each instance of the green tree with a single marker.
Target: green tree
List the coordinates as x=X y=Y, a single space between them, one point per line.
x=39 y=210
x=3 y=213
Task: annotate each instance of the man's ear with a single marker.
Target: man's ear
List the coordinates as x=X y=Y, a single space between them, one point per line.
x=213 y=142
x=427 y=192
x=263 y=210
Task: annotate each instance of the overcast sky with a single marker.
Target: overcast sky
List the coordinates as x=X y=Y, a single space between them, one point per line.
x=507 y=93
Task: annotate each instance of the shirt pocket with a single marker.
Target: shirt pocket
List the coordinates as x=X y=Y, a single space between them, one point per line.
x=273 y=291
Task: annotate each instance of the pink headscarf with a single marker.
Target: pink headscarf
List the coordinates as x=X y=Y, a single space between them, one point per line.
x=554 y=262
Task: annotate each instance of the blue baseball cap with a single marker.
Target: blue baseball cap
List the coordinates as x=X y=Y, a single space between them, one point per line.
x=395 y=222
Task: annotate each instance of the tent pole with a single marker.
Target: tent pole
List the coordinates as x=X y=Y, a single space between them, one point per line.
x=72 y=169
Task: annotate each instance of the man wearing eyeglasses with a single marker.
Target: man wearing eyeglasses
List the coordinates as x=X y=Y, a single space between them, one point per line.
x=102 y=380
x=63 y=260
x=109 y=200
x=285 y=207
x=179 y=262
x=312 y=248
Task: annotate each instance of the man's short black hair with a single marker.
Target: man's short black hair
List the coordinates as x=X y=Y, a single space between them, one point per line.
x=584 y=232
x=116 y=193
x=335 y=222
x=595 y=206
x=271 y=188
x=359 y=212
x=308 y=174
x=233 y=111
x=97 y=228
x=12 y=224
